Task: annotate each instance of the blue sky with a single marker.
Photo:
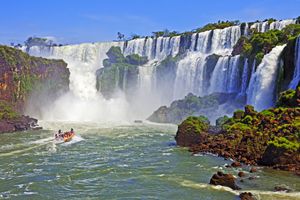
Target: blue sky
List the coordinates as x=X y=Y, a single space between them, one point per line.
x=76 y=21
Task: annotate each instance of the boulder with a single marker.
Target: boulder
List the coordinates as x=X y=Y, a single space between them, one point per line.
x=246 y=196
x=192 y=131
x=241 y=174
x=227 y=180
x=282 y=188
x=236 y=164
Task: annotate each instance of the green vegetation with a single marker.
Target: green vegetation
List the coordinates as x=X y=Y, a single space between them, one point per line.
x=221 y=121
x=282 y=142
x=25 y=74
x=198 y=124
x=7 y=112
x=191 y=105
x=288 y=98
x=270 y=137
x=260 y=44
x=119 y=72
x=136 y=59
x=218 y=25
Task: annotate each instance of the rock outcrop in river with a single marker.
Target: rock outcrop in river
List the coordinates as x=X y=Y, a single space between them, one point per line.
x=192 y=105
x=270 y=137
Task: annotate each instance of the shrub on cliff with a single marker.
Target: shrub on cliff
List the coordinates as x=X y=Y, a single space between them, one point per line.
x=260 y=43
x=115 y=55
x=6 y=111
x=119 y=72
x=289 y=98
x=218 y=25
x=136 y=59
x=22 y=74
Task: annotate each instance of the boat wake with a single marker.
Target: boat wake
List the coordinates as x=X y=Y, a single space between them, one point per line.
x=75 y=139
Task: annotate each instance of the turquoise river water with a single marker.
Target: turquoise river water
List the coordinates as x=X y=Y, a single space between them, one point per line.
x=120 y=161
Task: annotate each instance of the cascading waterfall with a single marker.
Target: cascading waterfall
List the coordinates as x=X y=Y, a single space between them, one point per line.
x=265 y=26
x=189 y=74
x=225 y=76
x=206 y=67
x=261 y=89
x=245 y=77
x=84 y=102
x=296 y=77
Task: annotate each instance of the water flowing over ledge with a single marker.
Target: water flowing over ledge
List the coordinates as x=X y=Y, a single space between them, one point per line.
x=206 y=66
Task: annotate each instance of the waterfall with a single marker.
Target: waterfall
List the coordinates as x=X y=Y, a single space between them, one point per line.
x=205 y=66
x=265 y=26
x=188 y=73
x=83 y=102
x=245 y=77
x=158 y=48
x=296 y=77
x=225 y=75
x=261 y=89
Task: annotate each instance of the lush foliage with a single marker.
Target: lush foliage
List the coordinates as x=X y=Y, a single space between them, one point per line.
x=119 y=72
x=218 y=25
x=23 y=74
x=270 y=137
x=260 y=43
x=6 y=111
x=198 y=124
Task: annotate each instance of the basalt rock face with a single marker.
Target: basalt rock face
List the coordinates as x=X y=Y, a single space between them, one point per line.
x=190 y=105
x=20 y=123
x=21 y=75
x=269 y=138
x=24 y=78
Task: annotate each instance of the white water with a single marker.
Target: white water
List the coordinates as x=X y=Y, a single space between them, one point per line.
x=296 y=77
x=279 y=25
x=225 y=76
x=84 y=103
x=261 y=89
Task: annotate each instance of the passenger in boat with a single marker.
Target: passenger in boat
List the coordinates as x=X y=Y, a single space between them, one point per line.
x=72 y=131
x=60 y=134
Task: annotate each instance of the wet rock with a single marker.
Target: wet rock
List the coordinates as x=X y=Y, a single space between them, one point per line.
x=21 y=123
x=241 y=174
x=236 y=164
x=246 y=196
x=227 y=180
x=282 y=188
x=192 y=131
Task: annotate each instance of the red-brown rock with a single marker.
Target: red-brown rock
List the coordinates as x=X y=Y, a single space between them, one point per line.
x=227 y=180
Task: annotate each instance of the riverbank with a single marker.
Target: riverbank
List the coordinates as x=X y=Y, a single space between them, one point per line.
x=268 y=138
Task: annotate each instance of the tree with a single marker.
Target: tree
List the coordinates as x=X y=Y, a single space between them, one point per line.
x=135 y=36
x=120 y=36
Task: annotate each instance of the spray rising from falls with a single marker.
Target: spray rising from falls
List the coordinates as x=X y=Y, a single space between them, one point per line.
x=83 y=102
x=201 y=63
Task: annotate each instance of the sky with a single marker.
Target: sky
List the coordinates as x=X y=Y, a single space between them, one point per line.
x=78 y=21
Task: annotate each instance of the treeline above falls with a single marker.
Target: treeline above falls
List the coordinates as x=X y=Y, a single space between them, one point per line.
x=254 y=61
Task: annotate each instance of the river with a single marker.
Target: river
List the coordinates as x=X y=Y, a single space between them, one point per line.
x=119 y=161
